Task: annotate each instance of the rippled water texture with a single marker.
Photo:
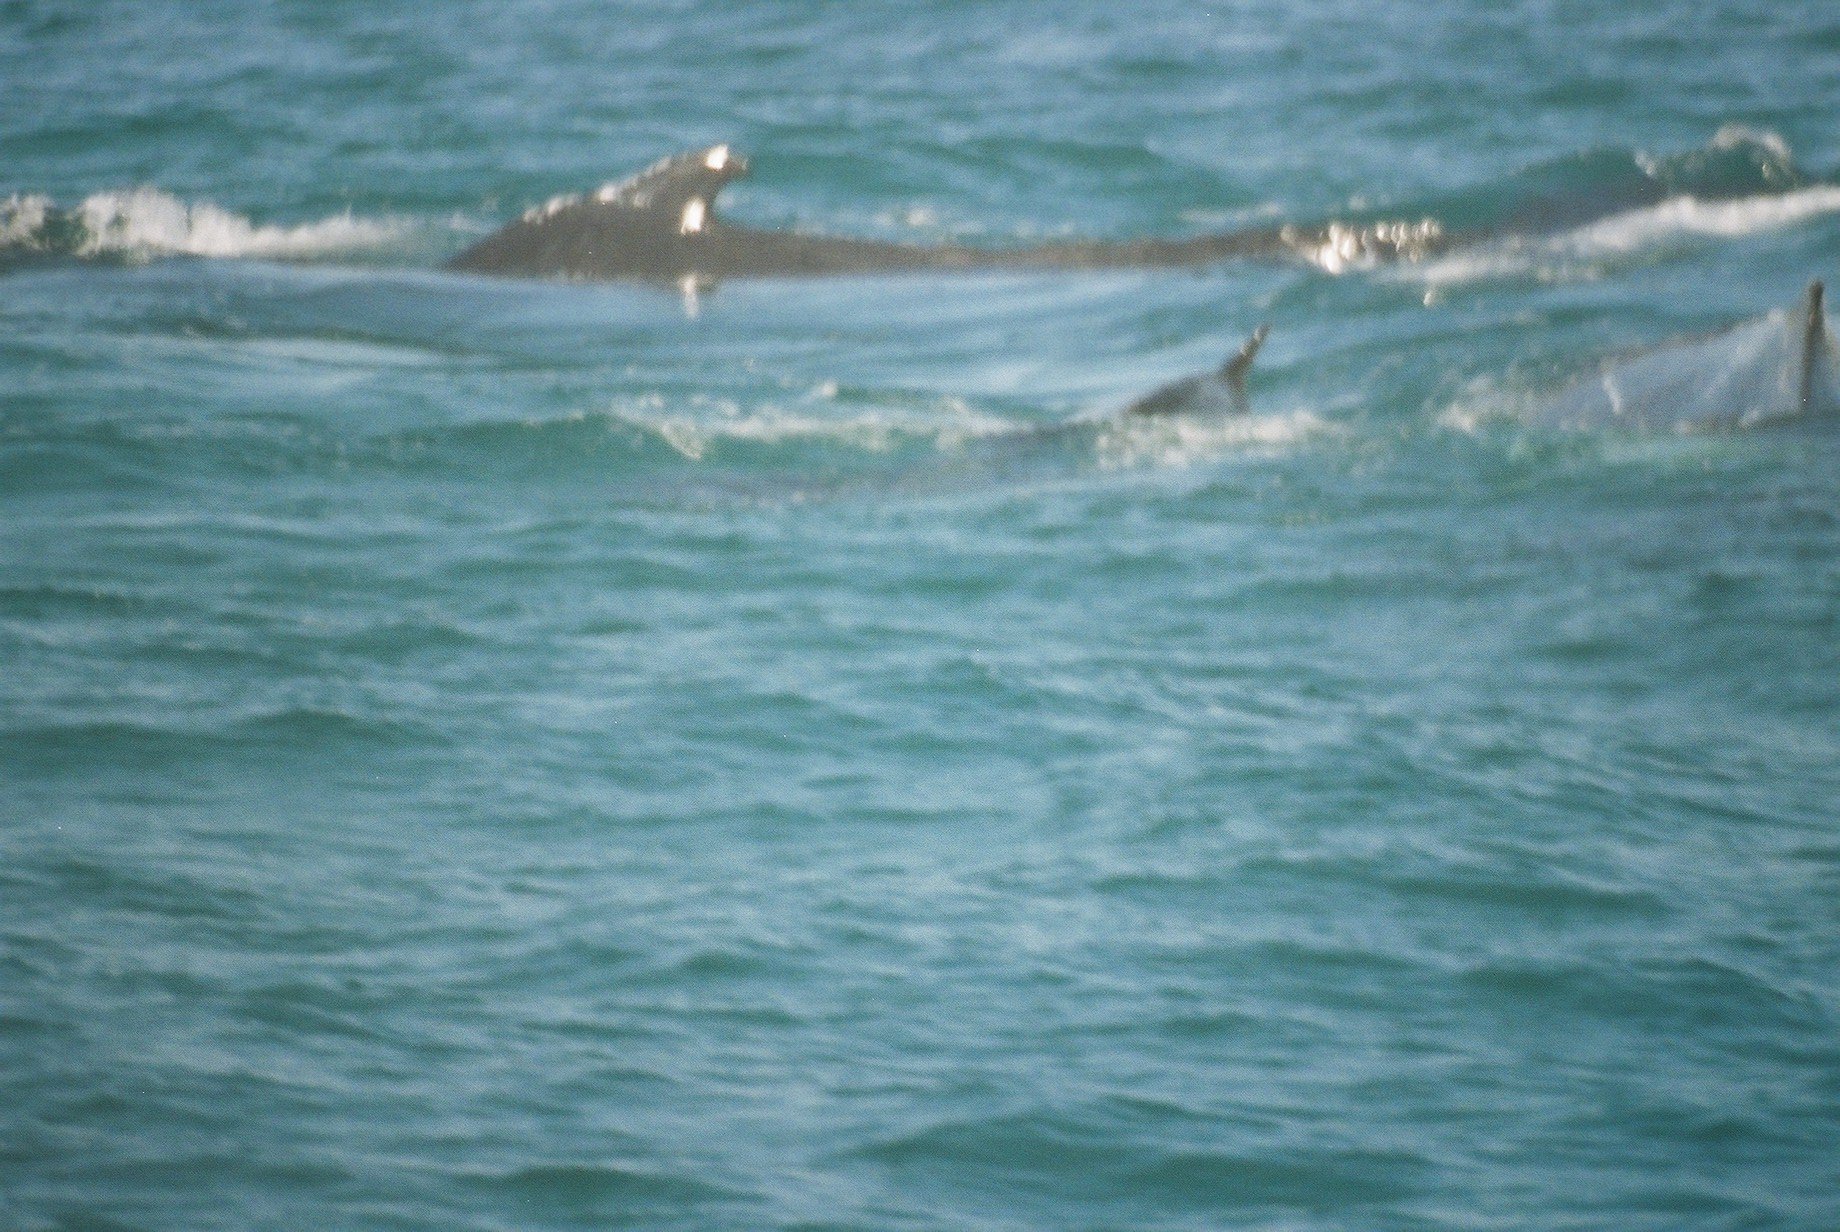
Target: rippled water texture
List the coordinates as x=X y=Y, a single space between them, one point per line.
x=494 y=754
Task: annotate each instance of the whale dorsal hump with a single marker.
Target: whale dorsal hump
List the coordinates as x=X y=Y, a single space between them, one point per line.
x=671 y=183
x=678 y=191
x=632 y=228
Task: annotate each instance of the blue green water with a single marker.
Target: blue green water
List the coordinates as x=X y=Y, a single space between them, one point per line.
x=505 y=755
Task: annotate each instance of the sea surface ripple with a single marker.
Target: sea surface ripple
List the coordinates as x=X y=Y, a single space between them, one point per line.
x=482 y=754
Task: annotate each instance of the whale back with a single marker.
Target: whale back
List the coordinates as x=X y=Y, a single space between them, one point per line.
x=639 y=226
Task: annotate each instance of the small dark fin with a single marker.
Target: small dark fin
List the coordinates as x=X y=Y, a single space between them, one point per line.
x=1813 y=342
x=1233 y=372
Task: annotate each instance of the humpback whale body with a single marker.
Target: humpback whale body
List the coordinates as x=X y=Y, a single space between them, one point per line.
x=1778 y=367
x=661 y=225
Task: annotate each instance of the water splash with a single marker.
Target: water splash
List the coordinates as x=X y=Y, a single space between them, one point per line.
x=142 y=223
x=1340 y=247
x=1179 y=441
x=695 y=435
x=1590 y=251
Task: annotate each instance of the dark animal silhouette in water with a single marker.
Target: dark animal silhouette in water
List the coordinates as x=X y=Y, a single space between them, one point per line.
x=661 y=225
x=1207 y=399
x=1778 y=367
x=1221 y=392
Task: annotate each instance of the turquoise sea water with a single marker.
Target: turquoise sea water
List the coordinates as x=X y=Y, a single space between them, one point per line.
x=503 y=755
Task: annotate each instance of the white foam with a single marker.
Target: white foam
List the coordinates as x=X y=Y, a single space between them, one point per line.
x=147 y=220
x=1734 y=135
x=1582 y=253
x=1485 y=400
x=692 y=435
x=1690 y=216
x=23 y=219
x=1181 y=440
x=1343 y=246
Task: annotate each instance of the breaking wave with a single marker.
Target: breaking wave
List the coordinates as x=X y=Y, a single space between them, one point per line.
x=1110 y=442
x=143 y=223
x=1690 y=216
x=1589 y=251
x=1182 y=440
x=696 y=436
x=1577 y=220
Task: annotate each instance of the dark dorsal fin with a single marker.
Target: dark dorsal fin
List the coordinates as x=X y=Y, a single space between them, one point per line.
x=1234 y=371
x=1813 y=340
x=1200 y=393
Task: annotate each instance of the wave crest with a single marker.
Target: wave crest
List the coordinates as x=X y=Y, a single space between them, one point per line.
x=1739 y=160
x=1178 y=441
x=880 y=432
x=1585 y=252
x=141 y=223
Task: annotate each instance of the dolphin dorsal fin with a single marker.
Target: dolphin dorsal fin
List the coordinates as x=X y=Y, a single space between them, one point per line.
x=1812 y=343
x=1233 y=372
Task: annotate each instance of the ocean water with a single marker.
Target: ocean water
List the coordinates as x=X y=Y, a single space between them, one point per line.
x=494 y=754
